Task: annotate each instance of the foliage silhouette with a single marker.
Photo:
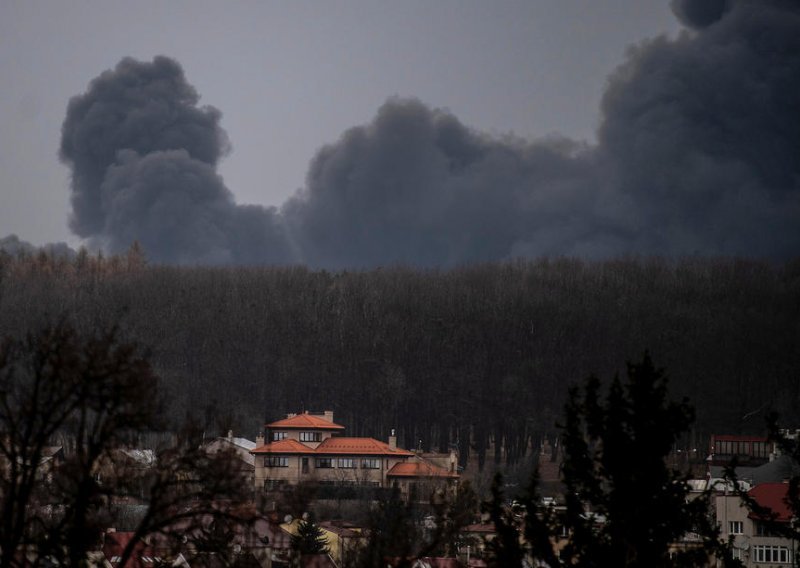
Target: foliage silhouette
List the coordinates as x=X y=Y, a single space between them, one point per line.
x=95 y=396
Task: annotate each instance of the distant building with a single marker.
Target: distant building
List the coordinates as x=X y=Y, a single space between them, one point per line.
x=749 y=451
x=758 y=459
x=307 y=448
x=755 y=535
x=240 y=449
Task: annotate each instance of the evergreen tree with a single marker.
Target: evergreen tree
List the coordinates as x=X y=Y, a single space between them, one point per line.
x=309 y=538
x=625 y=506
x=525 y=531
x=506 y=548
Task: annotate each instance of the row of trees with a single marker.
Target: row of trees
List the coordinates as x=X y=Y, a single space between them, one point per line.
x=624 y=505
x=479 y=356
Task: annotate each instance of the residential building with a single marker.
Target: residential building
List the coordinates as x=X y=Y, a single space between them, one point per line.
x=749 y=453
x=308 y=448
x=240 y=450
x=755 y=535
x=758 y=459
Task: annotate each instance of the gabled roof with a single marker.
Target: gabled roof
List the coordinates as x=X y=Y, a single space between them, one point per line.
x=306 y=421
x=772 y=496
x=286 y=446
x=419 y=469
x=359 y=446
x=243 y=443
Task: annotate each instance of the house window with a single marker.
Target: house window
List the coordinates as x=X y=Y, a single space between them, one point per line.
x=276 y=461
x=310 y=436
x=371 y=463
x=347 y=463
x=736 y=553
x=278 y=436
x=763 y=529
x=323 y=463
x=735 y=527
x=761 y=449
x=771 y=553
x=271 y=484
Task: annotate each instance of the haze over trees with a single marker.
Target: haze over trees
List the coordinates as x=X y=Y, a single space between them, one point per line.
x=466 y=356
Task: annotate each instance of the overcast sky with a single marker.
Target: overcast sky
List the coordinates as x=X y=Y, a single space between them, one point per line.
x=290 y=77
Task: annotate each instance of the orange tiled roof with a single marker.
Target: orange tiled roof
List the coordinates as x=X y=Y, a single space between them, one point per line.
x=359 y=446
x=306 y=421
x=283 y=447
x=419 y=469
x=333 y=446
x=772 y=496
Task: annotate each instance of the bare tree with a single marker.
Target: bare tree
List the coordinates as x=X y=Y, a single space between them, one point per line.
x=97 y=394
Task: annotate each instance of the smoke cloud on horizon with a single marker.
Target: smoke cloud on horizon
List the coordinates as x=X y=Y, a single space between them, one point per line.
x=697 y=153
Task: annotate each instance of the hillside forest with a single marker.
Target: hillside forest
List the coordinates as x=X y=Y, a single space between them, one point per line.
x=480 y=357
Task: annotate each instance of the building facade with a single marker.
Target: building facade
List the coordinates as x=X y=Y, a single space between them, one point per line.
x=309 y=448
x=757 y=536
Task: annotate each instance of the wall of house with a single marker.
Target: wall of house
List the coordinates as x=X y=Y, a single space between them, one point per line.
x=293 y=472
x=306 y=437
x=733 y=520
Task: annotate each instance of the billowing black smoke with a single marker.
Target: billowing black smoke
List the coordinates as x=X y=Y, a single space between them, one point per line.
x=417 y=186
x=702 y=135
x=698 y=153
x=143 y=158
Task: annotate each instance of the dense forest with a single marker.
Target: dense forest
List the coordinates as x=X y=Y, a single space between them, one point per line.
x=476 y=356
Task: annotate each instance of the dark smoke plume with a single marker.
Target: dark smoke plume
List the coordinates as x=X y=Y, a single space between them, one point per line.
x=697 y=153
x=698 y=13
x=143 y=158
x=416 y=186
x=702 y=135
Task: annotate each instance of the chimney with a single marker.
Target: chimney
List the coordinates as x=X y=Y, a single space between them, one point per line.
x=259 y=440
x=392 y=441
x=230 y=435
x=453 y=461
x=328 y=415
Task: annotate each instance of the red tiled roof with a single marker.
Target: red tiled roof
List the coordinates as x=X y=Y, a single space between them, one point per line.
x=735 y=438
x=772 y=496
x=114 y=544
x=337 y=446
x=306 y=421
x=286 y=446
x=359 y=446
x=419 y=469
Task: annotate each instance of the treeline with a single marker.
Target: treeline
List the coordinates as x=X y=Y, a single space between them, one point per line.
x=479 y=356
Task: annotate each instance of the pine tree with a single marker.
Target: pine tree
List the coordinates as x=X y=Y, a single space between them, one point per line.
x=309 y=538
x=625 y=506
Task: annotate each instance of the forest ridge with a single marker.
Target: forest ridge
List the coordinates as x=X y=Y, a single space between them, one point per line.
x=461 y=356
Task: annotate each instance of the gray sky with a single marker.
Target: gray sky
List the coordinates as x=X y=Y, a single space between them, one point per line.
x=290 y=77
